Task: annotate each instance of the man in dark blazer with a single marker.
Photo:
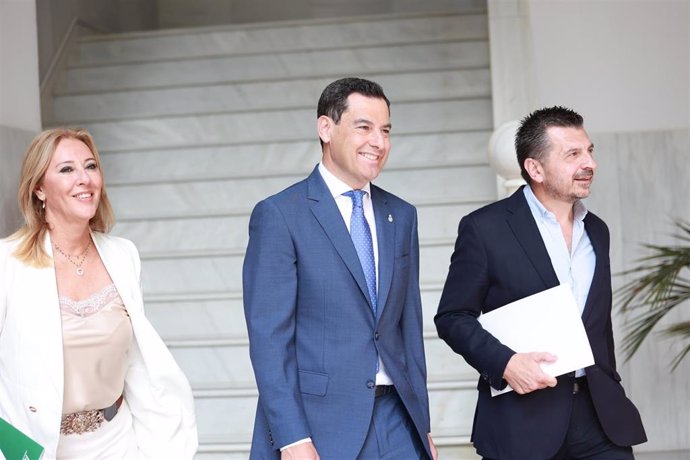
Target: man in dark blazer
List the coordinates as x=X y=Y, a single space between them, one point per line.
x=335 y=334
x=538 y=238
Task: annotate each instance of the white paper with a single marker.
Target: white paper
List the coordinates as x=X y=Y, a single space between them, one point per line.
x=547 y=321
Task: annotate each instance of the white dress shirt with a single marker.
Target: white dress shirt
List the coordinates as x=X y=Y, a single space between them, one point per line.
x=344 y=203
x=575 y=267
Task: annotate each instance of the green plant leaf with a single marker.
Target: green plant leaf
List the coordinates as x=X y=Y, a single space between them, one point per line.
x=659 y=285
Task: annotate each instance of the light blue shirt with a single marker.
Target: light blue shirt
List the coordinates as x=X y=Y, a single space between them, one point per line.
x=575 y=267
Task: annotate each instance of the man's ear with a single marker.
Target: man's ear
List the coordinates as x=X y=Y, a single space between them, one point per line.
x=324 y=125
x=534 y=169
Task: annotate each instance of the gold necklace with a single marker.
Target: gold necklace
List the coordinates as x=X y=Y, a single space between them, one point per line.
x=80 y=259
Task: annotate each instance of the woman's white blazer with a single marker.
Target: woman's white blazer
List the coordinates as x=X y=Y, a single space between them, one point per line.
x=31 y=359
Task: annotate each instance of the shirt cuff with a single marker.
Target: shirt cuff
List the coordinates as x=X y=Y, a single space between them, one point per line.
x=301 y=441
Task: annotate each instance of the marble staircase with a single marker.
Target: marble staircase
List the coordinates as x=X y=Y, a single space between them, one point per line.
x=196 y=125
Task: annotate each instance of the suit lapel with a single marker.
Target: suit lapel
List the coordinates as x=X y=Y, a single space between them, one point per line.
x=385 y=236
x=327 y=214
x=600 y=256
x=524 y=227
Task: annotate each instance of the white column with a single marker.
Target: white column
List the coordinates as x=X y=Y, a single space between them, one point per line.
x=512 y=85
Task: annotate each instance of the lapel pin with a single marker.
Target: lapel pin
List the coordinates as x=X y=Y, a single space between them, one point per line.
x=390 y=218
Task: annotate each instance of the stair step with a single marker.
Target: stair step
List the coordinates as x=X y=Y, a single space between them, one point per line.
x=210 y=364
x=233 y=446
x=223 y=451
x=117 y=105
x=279 y=126
x=441 y=220
x=451 y=420
x=175 y=254
x=276 y=66
x=449 y=447
x=209 y=340
x=220 y=161
x=222 y=315
x=222 y=273
x=433 y=253
x=197 y=234
x=276 y=37
x=287 y=158
x=469 y=184
x=192 y=275
x=230 y=233
x=217 y=327
x=433 y=279
x=461 y=449
x=200 y=317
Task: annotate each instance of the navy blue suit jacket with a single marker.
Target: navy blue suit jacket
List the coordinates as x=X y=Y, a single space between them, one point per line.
x=313 y=336
x=500 y=257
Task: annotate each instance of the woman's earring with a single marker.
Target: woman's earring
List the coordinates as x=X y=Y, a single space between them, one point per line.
x=44 y=204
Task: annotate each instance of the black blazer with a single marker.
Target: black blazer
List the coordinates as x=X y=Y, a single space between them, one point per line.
x=500 y=257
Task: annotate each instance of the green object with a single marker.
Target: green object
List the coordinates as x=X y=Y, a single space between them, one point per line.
x=15 y=445
x=659 y=284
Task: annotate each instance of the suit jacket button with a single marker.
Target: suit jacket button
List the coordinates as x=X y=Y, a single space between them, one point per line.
x=376 y=335
x=32 y=408
x=371 y=384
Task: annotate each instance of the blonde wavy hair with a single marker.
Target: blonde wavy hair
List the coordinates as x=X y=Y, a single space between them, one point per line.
x=37 y=158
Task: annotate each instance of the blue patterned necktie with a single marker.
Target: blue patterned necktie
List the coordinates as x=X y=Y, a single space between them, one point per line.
x=361 y=237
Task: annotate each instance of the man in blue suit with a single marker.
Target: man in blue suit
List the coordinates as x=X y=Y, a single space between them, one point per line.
x=332 y=303
x=538 y=238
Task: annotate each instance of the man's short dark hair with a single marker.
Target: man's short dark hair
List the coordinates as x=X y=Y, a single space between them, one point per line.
x=333 y=100
x=531 y=140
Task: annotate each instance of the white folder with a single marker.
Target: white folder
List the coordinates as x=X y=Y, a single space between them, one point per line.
x=548 y=321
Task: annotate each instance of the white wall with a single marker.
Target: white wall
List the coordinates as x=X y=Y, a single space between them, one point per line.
x=19 y=101
x=13 y=142
x=641 y=186
x=624 y=64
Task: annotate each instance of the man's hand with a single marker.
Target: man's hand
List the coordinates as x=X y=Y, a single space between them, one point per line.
x=304 y=451
x=434 y=452
x=524 y=375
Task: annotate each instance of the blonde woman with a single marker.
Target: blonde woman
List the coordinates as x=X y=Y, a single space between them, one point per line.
x=82 y=371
